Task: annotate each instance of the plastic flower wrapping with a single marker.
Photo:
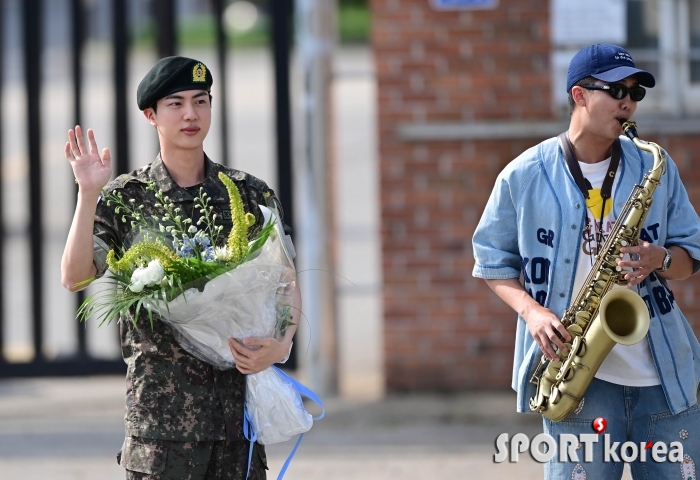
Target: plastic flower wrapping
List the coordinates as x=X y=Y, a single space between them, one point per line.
x=246 y=301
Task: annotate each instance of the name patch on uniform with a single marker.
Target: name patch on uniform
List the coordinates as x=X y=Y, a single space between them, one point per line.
x=226 y=214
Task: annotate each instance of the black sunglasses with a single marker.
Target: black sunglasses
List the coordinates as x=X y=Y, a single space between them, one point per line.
x=619 y=91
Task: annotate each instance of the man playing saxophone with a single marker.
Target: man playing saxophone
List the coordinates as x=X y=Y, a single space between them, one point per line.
x=548 y=215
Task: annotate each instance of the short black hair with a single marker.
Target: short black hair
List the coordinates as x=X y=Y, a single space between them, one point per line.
x=584 y=82
x=155 y=104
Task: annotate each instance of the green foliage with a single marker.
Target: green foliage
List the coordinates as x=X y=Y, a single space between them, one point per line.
x=141 y=254
x=353 y=22
x=284 y=318
x=200 y=31
x=238 y=238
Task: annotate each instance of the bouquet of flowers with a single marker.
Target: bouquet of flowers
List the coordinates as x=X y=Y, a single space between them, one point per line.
x=207 y=290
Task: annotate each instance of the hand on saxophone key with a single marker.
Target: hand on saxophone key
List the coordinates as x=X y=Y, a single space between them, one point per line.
x=643 y=259
x=547 y=330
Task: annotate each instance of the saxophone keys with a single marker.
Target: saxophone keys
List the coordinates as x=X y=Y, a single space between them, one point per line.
x=553 y=368
x=582 y=318
x=599 y=286
x=554 y=397
x=574 y=330
x=563 y=354
x=565 y=373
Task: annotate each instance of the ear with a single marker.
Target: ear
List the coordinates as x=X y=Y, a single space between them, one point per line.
x=150 y=116
x=579 y=96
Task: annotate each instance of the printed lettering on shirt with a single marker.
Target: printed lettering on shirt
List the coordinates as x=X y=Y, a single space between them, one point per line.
x=523 y=267
x=653 y=229
x=545 y=236
x=541 y=297
x=539 y=270
x=662 y=296
x=643 y=235
x=536 y=270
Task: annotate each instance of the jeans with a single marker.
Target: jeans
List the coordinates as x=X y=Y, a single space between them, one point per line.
x=633 y=414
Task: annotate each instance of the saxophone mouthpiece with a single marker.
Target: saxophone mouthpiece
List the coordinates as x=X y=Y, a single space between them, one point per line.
x=630 y=128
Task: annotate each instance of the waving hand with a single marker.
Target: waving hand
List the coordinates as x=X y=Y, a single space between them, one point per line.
x=91 y=170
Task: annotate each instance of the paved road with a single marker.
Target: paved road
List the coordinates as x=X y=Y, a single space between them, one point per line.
x=71 y=429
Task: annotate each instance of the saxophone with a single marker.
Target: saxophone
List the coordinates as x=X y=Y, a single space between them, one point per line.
x=599 y=317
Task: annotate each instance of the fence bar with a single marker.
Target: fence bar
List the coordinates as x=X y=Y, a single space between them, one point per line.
x=166 y=32
x=281 y=17
x=280 y=45
x=221 y=48
x=120 y=44
x=2 y=226
x=32 y=13
x=78 y=41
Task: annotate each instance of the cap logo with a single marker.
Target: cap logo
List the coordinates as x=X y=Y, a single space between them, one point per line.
x=623 y=56
x=199 y=73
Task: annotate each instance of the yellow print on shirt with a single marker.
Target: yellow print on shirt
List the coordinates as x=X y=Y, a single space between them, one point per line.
x=597 y=232
x=595 y=204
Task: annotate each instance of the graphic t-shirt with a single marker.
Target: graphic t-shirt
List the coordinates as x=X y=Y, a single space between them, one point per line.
x=630 y=365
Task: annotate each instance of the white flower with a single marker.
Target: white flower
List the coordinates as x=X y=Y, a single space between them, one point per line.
x=222 y=254
x=146 y=276
x=154 y=273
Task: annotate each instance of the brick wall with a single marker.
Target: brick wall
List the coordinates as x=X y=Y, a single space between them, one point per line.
x=445 y=330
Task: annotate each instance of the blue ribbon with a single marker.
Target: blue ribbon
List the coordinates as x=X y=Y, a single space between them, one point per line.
x=304 y=390
x=252 y=436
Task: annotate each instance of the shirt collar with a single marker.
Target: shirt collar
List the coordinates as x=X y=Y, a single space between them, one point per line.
x=161 y=177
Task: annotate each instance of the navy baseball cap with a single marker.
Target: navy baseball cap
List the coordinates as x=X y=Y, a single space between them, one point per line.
x=605 y=62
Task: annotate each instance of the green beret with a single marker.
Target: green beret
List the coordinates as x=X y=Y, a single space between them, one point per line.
x=171 y=75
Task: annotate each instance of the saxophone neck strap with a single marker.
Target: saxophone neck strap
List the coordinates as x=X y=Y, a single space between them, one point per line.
x=575 y=168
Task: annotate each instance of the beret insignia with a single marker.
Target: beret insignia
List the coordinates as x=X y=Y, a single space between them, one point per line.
x=199 y=73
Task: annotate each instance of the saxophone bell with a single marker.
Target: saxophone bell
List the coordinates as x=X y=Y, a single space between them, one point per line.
x=624 y=316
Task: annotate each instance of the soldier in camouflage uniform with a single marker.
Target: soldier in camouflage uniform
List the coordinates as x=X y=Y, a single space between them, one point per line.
x=184 y=417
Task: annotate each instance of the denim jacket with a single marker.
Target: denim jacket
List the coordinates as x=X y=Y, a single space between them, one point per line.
x=531 y=229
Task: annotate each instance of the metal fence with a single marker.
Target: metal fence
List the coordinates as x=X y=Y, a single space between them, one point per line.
x=164 y=16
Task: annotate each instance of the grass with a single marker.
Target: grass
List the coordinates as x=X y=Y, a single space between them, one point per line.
x=200 y=31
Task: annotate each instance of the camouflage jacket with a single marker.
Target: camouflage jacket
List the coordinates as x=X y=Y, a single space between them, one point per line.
x=171 y=395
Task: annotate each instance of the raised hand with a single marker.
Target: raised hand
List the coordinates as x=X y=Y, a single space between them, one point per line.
x=91 y=170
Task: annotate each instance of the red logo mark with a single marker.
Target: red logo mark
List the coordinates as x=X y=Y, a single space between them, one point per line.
x=647 y=446
x=599 y=425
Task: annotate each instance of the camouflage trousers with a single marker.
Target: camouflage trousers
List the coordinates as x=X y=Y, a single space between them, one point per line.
x=150 y=459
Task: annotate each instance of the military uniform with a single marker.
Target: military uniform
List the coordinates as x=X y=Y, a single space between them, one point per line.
x=184 y=417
